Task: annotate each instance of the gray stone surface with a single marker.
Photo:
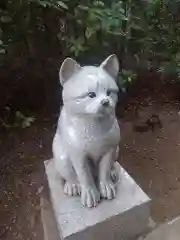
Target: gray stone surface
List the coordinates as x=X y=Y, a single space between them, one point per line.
x=48 y=220
x=123 y=218
x=167 y=231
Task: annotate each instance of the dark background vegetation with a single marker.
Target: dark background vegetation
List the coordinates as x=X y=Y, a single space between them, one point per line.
x=36 y=35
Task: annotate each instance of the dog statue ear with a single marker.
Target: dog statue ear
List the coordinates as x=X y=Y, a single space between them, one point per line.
x=67 y=69
x=111 y=65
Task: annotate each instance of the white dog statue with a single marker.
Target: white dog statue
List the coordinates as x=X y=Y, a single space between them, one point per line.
x=85 y=145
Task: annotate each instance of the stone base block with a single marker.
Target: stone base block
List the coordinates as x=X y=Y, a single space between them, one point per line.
x=123 y=218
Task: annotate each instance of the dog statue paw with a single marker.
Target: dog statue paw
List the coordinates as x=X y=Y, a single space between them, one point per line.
x=85 y=145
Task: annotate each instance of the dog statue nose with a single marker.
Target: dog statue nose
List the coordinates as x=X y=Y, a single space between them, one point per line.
x=105 y=102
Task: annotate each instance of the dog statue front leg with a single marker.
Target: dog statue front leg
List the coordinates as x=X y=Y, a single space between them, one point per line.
x=106 y=186
x=90 y=196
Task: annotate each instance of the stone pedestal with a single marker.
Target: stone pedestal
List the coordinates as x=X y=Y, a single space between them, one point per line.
x=124 y=218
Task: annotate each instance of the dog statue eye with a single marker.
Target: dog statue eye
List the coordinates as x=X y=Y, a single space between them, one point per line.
x=92 y=94
x=108 y=93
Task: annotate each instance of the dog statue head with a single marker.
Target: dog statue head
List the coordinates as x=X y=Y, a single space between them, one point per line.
x=90 y=91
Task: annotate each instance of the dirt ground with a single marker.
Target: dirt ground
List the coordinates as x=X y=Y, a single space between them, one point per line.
x=152 y=159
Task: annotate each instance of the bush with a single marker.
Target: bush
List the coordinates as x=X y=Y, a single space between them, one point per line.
x=143 y=28
x=39 y=33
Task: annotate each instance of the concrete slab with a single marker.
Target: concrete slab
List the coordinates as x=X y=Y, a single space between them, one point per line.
x=125 y=217
x=49 y=222
x=167 y=231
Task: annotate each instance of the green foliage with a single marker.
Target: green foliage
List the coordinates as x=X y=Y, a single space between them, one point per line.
x=126 y=77
x=20 y=120
x=143 y=29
